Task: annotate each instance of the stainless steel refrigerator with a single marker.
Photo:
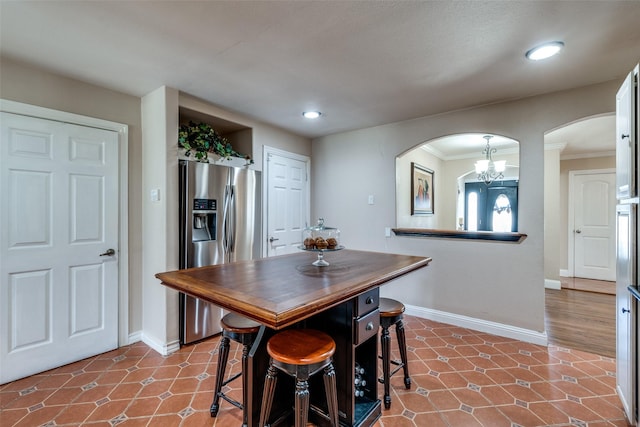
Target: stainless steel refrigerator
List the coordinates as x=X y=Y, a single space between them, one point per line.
x=220 y=222
x=627 y=287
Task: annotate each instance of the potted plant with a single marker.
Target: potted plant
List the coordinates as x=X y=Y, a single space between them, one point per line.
x=201 y=139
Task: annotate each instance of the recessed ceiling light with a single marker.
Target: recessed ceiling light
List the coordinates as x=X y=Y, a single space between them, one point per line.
x=544 y=51
x=311 y=114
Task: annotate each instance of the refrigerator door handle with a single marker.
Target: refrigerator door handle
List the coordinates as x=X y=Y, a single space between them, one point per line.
x=225 y=220
x=184 y=213
x=232 y=218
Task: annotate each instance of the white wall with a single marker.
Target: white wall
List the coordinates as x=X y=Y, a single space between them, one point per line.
x=160 y=117
x=552 y=217
x=157 y=309
x=492 y=282
x=23 y=83
x=160 y=218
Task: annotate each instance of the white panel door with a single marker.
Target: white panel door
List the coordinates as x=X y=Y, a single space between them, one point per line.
x=626 y=149
x=626 y=308
x=594 y=226
x=58 y=221
x=287 y=203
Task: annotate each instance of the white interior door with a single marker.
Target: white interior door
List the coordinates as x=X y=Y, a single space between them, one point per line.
x=594 y=226
x=626 y=309
x=58 y=225
x=287 y=201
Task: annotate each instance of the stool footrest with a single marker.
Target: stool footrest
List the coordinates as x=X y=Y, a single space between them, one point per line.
x=399 y=366
x=230 y=400
x=319 y=412
x=224 y=383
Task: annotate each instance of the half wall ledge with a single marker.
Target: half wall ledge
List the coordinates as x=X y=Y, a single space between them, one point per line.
x=456 y=234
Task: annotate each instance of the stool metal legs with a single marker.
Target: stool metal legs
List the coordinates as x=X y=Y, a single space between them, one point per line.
x=223 y=356
x=301 y=405
x=245 y=383
x=332 y=394
x=301 y=414
x=402 y=344
x=385 y=343
x=267 y=395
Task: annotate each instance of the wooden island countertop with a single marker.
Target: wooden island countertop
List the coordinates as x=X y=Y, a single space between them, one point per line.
x=280 y=291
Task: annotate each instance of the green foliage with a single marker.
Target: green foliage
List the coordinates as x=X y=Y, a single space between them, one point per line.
x=201 y=139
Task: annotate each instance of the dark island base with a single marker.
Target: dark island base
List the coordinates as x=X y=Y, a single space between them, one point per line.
x=353 y=348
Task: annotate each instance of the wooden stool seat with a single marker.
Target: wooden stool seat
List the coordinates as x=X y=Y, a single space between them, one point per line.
x=244 y=331
x=301 y=347
x=301 y=353
x=390 y=307
x=391 y=314
x=233 y=322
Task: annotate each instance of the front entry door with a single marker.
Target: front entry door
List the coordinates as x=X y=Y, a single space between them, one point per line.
x=594 y=228
x=58 y=244
x=287 y=201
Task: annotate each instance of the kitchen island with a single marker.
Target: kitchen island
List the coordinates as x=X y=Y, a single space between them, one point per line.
x=288 y=291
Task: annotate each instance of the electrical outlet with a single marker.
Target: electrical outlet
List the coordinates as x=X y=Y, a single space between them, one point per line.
x=371 y=199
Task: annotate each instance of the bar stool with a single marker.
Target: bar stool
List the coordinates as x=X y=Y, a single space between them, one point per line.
x=301 y=353
x=244 y=331
x=391 y=314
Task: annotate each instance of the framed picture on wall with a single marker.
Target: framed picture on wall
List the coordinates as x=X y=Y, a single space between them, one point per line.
x=422 y=193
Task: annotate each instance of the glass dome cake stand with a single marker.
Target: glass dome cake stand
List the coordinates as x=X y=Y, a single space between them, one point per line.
x=321 y=262
x=320 y=239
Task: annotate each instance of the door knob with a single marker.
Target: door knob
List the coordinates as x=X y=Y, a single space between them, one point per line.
x=578 y=231
x=273 y=239
x=109 y=252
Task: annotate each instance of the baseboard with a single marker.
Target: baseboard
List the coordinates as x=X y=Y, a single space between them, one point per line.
x=135 y=337
x=552 y=284
x=494 y=328
x=163 y=348
x=565 y=273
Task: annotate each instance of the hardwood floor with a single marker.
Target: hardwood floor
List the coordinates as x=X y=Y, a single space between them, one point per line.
x=590 y=285
x=581 y=320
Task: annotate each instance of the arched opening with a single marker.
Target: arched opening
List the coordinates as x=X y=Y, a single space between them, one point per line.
x=574 y=150
x=452 y=165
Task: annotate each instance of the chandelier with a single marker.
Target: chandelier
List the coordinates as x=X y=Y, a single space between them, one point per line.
x=487 y=169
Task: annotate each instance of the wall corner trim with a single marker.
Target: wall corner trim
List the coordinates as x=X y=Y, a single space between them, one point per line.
x=163 y=348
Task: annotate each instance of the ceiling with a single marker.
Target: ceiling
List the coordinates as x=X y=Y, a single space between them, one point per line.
x=362 y=63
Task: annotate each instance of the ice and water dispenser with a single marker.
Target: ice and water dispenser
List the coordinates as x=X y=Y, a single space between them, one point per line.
x=204 y=220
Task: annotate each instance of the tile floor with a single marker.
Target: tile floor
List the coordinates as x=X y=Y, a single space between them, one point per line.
x=460 y=378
